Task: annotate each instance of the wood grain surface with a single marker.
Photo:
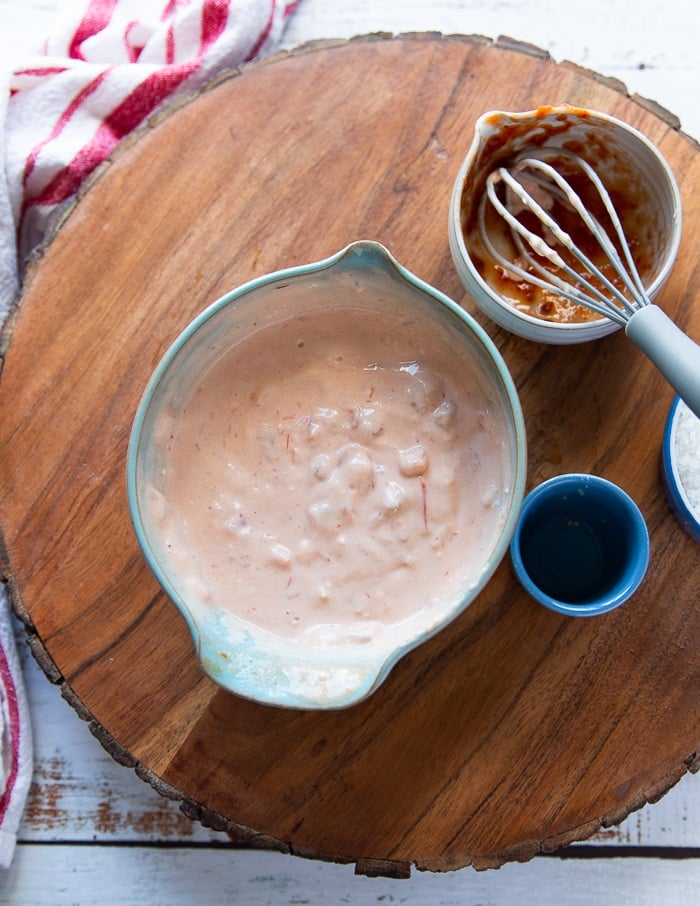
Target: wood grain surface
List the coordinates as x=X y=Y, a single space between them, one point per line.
x=514 y=730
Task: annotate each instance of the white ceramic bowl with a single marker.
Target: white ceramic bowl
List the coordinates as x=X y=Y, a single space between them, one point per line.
x=632 y=169
x=263 y=662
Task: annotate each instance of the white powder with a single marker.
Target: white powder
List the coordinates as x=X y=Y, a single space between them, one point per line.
x=687 y=454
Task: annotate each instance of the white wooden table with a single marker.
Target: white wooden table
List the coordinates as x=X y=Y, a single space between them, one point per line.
x=93 y=832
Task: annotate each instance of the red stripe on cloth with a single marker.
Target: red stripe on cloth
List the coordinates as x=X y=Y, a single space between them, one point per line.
x=170 y=45
x=214 y=19
x=123 y=119
x=264 y=34
x=97 y=16
x=41 y=71
x=61 y=123
x=13 y=709
x=147 y=95
x=132 y=50
x=289 y=8
x=170 y=8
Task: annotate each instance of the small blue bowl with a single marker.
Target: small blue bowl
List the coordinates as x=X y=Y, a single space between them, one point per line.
x=581 y=545
x=678 y=442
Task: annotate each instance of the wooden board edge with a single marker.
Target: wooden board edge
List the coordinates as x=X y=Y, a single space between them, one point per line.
x=555 y=845
x=372 y=867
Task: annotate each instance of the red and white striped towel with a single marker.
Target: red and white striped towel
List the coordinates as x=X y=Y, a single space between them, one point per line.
x=15 y=738
x=105 y=67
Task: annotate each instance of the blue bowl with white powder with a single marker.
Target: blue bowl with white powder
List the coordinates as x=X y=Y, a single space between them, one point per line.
x=680 y=466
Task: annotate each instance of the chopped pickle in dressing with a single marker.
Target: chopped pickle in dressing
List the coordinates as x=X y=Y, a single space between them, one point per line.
x=331 y=475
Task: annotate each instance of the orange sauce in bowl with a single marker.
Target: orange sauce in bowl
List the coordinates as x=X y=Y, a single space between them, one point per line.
x=631 y=199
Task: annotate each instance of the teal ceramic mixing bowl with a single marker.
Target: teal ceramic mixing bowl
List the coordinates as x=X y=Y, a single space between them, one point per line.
x=262 y=662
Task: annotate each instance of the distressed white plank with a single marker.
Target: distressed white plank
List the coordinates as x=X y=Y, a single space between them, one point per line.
x=123 y=876
x=80 y=793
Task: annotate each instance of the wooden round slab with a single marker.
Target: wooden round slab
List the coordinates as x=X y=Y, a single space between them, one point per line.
x=513 y=731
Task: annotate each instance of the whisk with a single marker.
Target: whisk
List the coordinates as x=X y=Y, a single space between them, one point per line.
x=533 y=181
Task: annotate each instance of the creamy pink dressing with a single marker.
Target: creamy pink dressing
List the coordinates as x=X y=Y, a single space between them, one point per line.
x=330 y=476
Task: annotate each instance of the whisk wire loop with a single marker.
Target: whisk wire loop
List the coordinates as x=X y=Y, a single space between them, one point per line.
x=586 y=285
x=564 y=238
x=538 y=158
x=511 y=193
x=550 y=281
